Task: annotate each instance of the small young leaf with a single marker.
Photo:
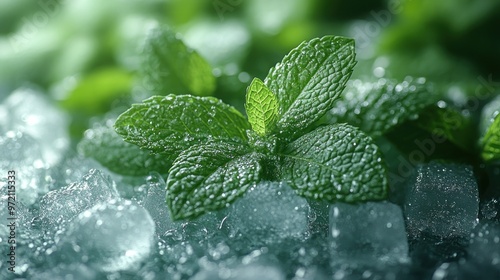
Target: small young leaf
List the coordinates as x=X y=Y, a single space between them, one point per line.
x=171 y=67
x=104 y=145
x=490 y=128
x=262 y=107
x=171 y=124
x=209 y=177
x=377 y=107
x=335 y=163
x=309 y=80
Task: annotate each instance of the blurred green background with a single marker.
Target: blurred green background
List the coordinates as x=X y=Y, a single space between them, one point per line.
x=86 y=55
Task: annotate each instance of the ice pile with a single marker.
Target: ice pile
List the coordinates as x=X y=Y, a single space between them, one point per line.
x=441 y=200
x=111 y=236
x=268 y=213
x=370 y=234
x=60 y=206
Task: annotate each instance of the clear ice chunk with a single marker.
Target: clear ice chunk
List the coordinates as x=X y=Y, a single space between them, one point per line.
x=441 y=200
x=29 y=111
x=20 y=153
x=155 y=203
x=371 y=233
x=268 y=213
x=60 y=206
x=111 y=236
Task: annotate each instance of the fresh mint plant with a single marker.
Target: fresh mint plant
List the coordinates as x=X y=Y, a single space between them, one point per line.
x=218 y=154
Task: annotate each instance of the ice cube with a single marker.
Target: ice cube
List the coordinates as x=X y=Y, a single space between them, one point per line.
x=20 y=156
x=29 y=111
x=441 y=200
x=371 y=233
x=155 y=203
x=60 y=206
x=111 y=236
x=268 y=213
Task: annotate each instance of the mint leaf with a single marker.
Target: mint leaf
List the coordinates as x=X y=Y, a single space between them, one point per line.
x=451 y=123
x=171 y=67
x=173 y=123
x=209 y=177
x=309 y=80
x=104 y=145
x=335 y=163
x=490 y=129
x=376 y=107
x=261 y=107
x=95 y=93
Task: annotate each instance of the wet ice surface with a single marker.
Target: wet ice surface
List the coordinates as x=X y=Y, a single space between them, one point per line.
x=367 y=235
x=112 y=236
x=58 y=207
x=88 y=230
x=441 y=200
x=268 y=213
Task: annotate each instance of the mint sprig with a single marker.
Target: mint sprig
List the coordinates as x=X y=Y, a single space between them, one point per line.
x=219 y=154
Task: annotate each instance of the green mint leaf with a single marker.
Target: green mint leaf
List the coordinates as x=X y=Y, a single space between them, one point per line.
x=450 y=123
x=209 y=177
x=261 y=107
x=171 y=124
x=335 y=163
x=309 y=80
x=377 y=107
x=95 y=93
x=490 y=130
x=104 y=145
x=171 y=67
